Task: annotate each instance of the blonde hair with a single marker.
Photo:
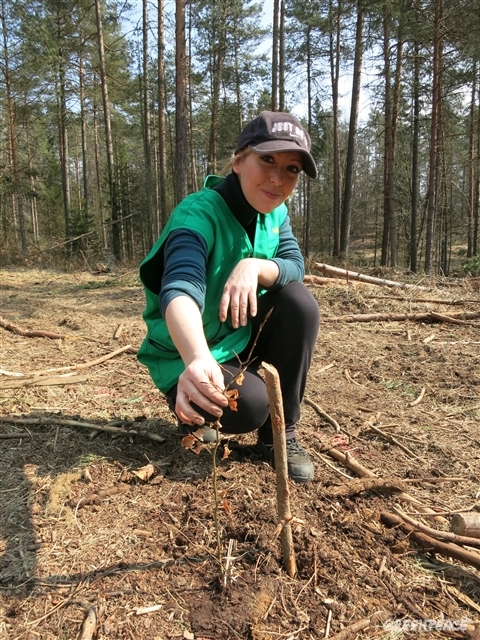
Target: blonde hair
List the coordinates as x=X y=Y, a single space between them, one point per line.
x=236 y=158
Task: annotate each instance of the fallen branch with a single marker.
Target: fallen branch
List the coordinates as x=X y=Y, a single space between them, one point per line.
x=96 y=498
x=108 y=428
x=74 y=367
x=351 y=463
x=354 y=628
x=32 y=334
x=353 y=275
x=89 y=625
x=392 y=440
x=427 y=300
x=446 y=536
x=431 y=544
x=420 y=397
x=323 y=414
x=275 y=401
x=11 y=436
x=320 y=280
x=457 y=318
x=47 y=381
x=354 y=487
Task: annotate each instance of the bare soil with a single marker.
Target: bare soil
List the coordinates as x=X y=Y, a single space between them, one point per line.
x=80 y=529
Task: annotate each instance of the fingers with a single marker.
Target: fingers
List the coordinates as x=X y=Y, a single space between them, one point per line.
x=202 y=389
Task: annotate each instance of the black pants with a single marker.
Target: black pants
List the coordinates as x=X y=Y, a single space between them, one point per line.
x=287 y=341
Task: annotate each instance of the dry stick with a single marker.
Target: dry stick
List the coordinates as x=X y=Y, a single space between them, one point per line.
x=353 y=629
x=322 y=414
x=333 y=281
x=401 y=317
x=393 y=440
x=275 y=402
x=86 y=425
x=432 y=544
x=432 y=300
x=353 y=275
x=420 y=397
x=351 y=463
x=20 y=434
x=45 y=381
x=89 y=625
x=446 y=536
x=32 y=334
x=84 y=365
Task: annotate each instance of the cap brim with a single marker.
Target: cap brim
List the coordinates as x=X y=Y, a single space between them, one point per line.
x=277 y=146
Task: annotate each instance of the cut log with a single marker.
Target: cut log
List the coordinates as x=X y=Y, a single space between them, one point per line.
x=361 y=277
x=466 y=524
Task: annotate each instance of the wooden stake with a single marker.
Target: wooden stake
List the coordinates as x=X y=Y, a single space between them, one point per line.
x=272 y=382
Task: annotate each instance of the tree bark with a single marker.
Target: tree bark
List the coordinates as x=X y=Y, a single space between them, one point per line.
x=115 y=231
x=352 y=133
x=275 y=38
x=432 y=175
x=147 y=147
x=17 y=201
x=181 y=145
x=334 y=56
x=281 y=59
x=415 y=145
x=162 y=139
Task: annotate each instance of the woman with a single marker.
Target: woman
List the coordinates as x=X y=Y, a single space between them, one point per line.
x=226 y=257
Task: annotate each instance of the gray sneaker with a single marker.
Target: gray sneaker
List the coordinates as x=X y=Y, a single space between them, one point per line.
x=209 y=435
x=300 y=466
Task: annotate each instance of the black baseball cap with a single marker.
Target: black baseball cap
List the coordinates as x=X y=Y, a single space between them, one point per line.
x=273 y=132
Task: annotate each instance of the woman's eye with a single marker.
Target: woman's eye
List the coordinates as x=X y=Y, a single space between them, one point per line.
x=294 y=169
x=268 y=159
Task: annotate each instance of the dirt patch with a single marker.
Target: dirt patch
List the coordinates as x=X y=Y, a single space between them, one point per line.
x=70 y=538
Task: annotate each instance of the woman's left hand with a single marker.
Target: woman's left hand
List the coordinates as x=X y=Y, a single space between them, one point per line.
x=240 y=290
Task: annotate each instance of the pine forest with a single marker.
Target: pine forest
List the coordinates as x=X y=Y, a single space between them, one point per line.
x=113 y=112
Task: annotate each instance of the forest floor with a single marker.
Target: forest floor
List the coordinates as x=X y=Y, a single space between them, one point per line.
x=88 y=528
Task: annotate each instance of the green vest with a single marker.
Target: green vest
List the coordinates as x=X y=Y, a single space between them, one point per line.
x=227 y=243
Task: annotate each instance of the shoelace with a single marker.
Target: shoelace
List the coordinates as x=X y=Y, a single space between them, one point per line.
x=294 y=447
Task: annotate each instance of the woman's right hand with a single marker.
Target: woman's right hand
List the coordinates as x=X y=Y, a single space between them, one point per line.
x=202 y=383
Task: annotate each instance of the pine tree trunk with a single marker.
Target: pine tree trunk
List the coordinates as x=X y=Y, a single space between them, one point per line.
x=193 y=164
x=63 y=133
x=115 y=230
x=334 y=54
x=17 y=201
x=281 y=56
x=181 y=150
x=352 y=133
x=470 y=170
x=275 y=36
x=432 y=176
x=217 y=71
x=162 y=138
x=387 y=213
x=83 y=129
x=415 y=143
x=147 y=147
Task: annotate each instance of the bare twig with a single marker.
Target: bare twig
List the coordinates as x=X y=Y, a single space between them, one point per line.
x=323 y=414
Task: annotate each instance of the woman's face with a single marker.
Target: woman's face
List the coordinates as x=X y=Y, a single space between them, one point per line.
x=268 y=179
